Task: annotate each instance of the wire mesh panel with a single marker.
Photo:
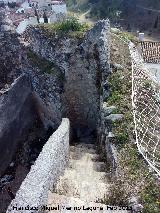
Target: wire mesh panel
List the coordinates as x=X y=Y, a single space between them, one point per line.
x=146 y=110
x=150 y=51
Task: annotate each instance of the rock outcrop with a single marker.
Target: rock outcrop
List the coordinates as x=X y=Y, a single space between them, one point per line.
x=11 y=52
x=62 y=76
x=82 y=62
x=17 y=114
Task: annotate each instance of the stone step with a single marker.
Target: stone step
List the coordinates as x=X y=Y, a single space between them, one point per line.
x=83 y=146
x=84 y=165
x=93 y=180
x=85 y=177
x=93 y=156
x=94 y=192
x=65 y=204
x=86 y=145
x=100 y=166
x=70 y=172
x=84 y=189
x=81 y=150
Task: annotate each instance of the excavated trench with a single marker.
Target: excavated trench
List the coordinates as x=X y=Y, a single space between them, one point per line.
x=83 y=149
x=83 y=143
x=85 y=177
x=86 y=171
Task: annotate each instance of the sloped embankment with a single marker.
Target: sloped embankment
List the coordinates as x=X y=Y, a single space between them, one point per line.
x=136 y=184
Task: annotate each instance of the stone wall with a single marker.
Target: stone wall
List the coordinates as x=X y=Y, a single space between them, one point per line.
x=82 y=61
x=45 y=172
x=105 y=135
x=118 y=60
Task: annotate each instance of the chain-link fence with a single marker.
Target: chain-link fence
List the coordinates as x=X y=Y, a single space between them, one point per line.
x=150 y=51
x=146 y=110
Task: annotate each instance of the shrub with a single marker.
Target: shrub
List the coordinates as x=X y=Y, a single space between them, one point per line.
x=67 y=26
x=71 y=24
x=116 y=197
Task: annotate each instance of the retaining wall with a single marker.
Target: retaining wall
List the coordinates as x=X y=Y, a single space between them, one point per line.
x=44 y=173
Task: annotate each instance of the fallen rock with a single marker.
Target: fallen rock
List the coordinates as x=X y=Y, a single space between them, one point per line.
x=118 y=66
x=108 y=110
x=135 y=205
x=111 y=135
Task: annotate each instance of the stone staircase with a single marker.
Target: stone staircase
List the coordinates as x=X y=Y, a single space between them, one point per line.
x=84 y=182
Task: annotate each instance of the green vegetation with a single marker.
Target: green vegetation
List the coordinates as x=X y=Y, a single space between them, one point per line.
x=134 y=178
x=151 y=197
x=120 y=89
x=106 y=8
x=136 y=173
x=147 y=84
x=117 y=196
x=120 y=11
x=126 y=36
x=69 y=27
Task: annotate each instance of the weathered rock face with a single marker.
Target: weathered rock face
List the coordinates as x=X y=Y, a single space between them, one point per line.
x=72 y=90
x=33 y=98
x=17 y=114
x=10 y=53
x=14 y=62
x=48 y=91
x=75 y=93
x=83 y=61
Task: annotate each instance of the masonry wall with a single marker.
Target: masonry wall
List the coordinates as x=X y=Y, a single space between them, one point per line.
x=44 y=173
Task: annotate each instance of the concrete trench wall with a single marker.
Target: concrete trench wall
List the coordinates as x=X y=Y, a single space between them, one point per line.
x=48 y=167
